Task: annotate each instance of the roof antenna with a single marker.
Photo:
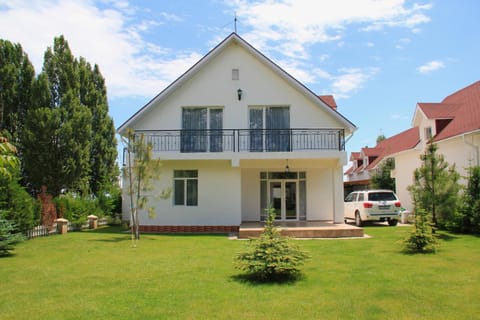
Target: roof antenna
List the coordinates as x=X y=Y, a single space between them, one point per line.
x=235 y=22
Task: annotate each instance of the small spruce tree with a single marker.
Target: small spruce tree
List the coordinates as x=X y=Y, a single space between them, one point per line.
x=421 y=239
x=469 y=216
x=8 y=236
x=271 y=257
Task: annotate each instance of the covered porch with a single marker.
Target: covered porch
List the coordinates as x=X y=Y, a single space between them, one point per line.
x=303 y=229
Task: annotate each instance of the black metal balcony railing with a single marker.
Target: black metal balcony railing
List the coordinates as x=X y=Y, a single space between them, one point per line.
x=244 y=140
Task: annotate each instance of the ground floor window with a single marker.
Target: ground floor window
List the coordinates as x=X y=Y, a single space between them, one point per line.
x=286 y=192
x=185 y=187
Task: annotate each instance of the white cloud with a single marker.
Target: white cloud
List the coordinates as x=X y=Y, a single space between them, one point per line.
x=351 y=80
x=108 y=37
x=291 y=27
x=431 y=66
x=302 y=23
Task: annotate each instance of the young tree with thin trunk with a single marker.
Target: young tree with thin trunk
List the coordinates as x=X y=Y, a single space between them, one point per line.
x=141 y=170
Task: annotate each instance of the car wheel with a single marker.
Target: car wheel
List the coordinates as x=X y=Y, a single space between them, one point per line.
x=392 y=222
x=358 y=220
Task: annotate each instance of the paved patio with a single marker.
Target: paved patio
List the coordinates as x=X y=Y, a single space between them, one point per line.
x=303 y=229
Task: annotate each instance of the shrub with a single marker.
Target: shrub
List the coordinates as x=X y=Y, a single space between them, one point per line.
x=271 y=257
x=110 y=201
x=76 y=209
x=21 y=207
x=8 y=236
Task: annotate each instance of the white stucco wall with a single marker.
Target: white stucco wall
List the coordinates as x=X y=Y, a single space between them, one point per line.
x=251 y=194
x=320 y=203
x=219 y=195
x=405 y=164
x=457 y=151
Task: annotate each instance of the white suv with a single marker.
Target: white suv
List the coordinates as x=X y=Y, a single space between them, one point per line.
x=372 y=205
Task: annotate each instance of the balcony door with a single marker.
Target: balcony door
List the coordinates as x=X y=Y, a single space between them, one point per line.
x=202 y=129
x=269 y=129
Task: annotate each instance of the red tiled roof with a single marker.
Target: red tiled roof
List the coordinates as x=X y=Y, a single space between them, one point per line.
x=403 y=141
x=372 y=152
x=439 y=110
x=463 y=107
x=329 y=100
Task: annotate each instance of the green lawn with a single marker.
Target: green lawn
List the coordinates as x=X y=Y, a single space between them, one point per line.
x=98 y=275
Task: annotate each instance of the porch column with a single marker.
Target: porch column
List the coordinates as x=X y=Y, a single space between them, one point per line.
x=337 y=186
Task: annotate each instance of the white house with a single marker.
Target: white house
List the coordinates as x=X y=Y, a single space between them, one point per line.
x=453 y=125
x=236 y=133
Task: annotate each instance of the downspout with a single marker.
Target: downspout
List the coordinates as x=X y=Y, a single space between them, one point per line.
x=475 y=148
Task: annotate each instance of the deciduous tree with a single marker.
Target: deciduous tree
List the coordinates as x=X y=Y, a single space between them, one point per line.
x=141 y=170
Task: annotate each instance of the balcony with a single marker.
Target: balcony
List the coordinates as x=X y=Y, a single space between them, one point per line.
x=245 y=140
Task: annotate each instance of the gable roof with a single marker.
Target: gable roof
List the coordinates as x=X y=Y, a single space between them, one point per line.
x=323 y=102
x=462 y=107
x=405 y=140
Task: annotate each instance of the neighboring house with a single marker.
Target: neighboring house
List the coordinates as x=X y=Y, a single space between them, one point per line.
x=236 y=133
x=365 y=163
x=453 y=125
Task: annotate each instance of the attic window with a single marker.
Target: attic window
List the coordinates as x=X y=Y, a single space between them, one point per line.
x=235 y=74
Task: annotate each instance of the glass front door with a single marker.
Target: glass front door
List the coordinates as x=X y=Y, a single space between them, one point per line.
x=283 y=198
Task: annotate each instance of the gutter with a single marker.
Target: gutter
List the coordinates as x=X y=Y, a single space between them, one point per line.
x=475 y=148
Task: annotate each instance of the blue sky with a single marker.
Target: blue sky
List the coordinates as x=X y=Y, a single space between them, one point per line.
x=378 y=58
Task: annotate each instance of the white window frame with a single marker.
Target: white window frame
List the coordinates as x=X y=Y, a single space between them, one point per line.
x=185 y=188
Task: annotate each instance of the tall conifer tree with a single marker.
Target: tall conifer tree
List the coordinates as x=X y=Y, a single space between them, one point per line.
x=57 y=142
x=103 y=151
x=16 y=79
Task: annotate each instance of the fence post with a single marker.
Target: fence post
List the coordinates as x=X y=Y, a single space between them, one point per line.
x=92 y=221
x=62 y=225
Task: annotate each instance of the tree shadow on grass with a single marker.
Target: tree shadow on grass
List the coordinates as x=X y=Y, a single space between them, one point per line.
x=8 y=255
x=446 y=236
x=113 y=239
x=281 y=279
x=108 y=229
